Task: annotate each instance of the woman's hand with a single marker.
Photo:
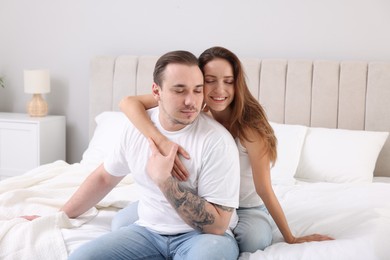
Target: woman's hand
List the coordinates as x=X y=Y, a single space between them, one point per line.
x=179 y=171
x=310 y=238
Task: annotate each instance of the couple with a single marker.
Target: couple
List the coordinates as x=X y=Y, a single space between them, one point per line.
x=191 y=214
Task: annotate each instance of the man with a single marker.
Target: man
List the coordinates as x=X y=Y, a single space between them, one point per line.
x=177 y=220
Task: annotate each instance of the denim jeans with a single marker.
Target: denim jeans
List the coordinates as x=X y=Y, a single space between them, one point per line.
x=136 y=242
x=125 y=216
x=254 y=229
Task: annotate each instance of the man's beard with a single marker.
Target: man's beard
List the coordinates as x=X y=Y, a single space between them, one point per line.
x=179 y=121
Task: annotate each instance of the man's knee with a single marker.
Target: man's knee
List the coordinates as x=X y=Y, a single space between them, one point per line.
x=213 y=247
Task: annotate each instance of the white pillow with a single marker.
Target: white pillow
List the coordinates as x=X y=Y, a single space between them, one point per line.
x=336 y=155
x=109 y=127
x=290 y=142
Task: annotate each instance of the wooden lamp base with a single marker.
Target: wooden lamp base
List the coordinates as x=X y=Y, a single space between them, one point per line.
x=37 y=107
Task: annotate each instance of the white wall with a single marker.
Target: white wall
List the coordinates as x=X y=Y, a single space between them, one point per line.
x=64 y=35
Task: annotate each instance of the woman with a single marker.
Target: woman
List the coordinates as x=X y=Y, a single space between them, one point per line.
x=229 y=101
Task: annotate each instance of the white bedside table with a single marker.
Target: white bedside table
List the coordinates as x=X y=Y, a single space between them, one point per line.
x=27 y=142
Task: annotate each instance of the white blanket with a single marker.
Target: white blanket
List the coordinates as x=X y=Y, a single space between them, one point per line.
x=357 y=215
x=43 y=191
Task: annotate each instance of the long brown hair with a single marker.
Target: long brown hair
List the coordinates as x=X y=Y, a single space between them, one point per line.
x=247 y=113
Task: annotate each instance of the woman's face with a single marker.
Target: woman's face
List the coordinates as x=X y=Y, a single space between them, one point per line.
x=218 y=84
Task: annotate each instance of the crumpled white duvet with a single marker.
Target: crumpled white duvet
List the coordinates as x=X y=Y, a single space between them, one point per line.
x=42 y=191
x=356 y=215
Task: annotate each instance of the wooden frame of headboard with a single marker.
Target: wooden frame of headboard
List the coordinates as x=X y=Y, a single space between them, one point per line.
x=349 y=94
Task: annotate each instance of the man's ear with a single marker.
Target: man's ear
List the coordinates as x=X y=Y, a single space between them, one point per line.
x=156 y=91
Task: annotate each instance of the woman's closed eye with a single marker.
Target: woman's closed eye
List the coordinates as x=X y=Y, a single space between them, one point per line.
x=210 y=81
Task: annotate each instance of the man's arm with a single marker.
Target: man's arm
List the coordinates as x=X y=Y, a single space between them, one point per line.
x=95 y=187
x=194 y=210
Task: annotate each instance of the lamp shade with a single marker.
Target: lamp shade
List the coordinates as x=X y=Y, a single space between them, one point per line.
x=36 y=81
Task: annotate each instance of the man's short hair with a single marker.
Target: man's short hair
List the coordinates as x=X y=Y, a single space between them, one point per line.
x=173 y=57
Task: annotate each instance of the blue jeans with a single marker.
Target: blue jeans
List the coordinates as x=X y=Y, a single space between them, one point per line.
x=254 y=229
x=136 y=242
x=125 y=216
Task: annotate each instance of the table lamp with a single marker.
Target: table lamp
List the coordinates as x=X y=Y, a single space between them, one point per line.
x=37 y=82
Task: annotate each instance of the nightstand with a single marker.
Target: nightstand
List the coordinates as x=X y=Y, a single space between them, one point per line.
x=28 y=142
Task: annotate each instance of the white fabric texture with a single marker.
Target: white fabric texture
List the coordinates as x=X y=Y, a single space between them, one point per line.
x=213 y=168
x=42 y=191
x=337 y=155
x=290 y=141
x=355 y=214
x=248 y=194
x=21 y=239
x=109 y=127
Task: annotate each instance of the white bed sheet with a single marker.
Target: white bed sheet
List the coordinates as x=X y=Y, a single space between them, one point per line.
x=357 y=215
x=99 y=225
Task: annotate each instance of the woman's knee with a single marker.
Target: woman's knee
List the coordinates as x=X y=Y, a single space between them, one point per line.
x=253 y=231
x=125 y=216
x=258 y=239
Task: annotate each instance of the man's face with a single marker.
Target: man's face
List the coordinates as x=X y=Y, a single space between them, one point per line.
x=180 y=96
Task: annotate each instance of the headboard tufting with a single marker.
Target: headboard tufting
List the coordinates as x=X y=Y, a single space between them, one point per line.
x=349 y=94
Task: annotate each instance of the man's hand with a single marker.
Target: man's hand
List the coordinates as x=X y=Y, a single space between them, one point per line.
x=179 y=171
x=32 y=217
x=159 y=167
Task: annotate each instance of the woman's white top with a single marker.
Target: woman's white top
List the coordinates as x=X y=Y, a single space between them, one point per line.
x=248 y=196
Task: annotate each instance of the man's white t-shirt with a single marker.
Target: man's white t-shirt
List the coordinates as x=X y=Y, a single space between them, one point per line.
x=213 y=167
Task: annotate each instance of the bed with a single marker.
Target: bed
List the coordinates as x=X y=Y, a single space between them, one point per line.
x=332 y=121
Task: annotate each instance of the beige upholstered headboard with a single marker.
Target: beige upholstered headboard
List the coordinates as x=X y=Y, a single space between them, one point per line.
x=348 y=95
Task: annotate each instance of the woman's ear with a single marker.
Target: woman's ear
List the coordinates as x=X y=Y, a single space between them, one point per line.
x=205 y=108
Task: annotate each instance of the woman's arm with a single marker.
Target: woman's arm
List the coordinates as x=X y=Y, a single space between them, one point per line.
x=262 y=179
x=134 y=107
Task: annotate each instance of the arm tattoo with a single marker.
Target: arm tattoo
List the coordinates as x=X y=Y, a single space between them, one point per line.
x=190 y=206
x=224 y=208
